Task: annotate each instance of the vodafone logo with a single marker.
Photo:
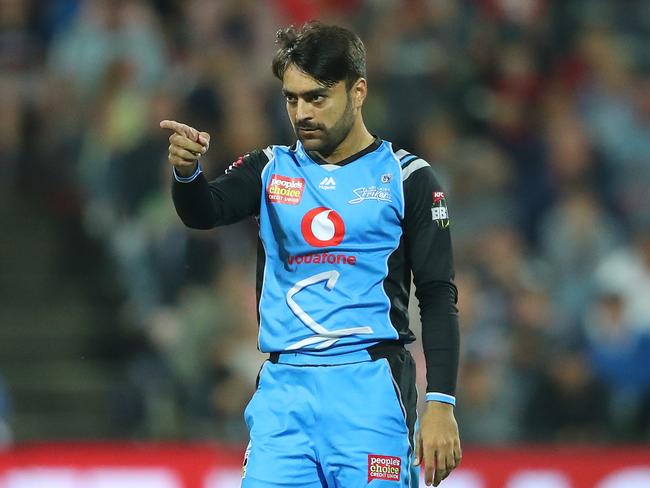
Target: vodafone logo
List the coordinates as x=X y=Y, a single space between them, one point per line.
x=322 y=227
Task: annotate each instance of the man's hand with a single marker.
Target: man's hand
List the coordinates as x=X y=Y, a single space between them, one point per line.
x=437 y=442
x=186 y=146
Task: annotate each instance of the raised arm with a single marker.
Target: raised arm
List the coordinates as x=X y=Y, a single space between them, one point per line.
x=228 y=198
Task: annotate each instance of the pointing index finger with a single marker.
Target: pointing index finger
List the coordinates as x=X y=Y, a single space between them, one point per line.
x=182 y=129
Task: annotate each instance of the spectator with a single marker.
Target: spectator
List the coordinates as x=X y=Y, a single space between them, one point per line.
x=618 y=354
x=566 y=403
x=627 y=270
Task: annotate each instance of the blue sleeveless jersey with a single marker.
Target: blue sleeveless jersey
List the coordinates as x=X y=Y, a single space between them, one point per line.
x=327 y=238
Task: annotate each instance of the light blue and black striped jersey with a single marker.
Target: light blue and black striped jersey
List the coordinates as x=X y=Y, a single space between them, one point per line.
x=338 y=245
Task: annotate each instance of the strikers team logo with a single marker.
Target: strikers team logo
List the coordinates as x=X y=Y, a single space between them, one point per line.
x=439 y=212
x=387 y=468
x=283 y=189
x=322 y=227
x=364 y=193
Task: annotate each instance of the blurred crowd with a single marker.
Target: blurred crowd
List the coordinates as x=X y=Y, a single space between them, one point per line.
x=534 y=113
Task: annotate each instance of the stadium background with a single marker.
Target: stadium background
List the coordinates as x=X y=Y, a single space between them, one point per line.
x=118 y=324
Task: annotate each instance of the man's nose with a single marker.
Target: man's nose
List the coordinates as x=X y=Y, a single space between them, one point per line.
x=303 y=111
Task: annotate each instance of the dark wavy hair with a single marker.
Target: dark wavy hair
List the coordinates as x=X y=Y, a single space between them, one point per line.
x=328 y=53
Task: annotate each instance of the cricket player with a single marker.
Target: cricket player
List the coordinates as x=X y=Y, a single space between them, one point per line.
x=345 y=220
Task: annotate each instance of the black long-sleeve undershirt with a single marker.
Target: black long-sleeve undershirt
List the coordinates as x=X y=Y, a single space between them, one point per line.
x=427 y=251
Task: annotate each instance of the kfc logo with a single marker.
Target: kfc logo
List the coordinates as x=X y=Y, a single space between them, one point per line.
x=439 y=212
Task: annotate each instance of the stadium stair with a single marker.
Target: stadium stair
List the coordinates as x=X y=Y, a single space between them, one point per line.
x=59 y=379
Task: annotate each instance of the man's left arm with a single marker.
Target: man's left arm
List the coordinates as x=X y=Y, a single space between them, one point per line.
x=428 y=240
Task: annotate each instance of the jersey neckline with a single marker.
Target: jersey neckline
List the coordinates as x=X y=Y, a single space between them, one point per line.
x=373 y=146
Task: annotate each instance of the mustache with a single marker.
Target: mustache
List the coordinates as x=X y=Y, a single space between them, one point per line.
x=308 y=126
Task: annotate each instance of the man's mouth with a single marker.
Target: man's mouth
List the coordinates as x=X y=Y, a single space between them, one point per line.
x=308 y=131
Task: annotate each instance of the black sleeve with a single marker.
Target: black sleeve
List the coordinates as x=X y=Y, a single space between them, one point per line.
x=227 y=199
x=429 y=252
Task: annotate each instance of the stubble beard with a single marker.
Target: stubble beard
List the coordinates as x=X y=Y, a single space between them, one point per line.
x=332 y=137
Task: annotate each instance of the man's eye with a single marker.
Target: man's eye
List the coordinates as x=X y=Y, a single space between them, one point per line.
x=291 y=100
x=318 y=99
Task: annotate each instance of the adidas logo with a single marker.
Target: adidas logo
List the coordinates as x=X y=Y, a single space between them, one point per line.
x=327 y=183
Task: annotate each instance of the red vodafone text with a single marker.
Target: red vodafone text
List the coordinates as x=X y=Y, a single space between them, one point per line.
x=323 y=258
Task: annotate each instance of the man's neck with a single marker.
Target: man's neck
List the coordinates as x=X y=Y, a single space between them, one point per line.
x=357 y=139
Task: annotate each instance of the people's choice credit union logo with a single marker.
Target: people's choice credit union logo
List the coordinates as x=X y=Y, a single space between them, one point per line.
x=283 y=189
x=387 y=468
x=322 y=227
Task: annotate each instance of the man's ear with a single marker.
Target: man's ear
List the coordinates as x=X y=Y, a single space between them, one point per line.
x=359 y=92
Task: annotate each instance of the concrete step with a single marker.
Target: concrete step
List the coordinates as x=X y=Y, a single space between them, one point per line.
x=67 y=317
x=62 y=399
x=64 y=395
x=35 y=426
x=68 y=375
x=52 y=333
x=52 y=344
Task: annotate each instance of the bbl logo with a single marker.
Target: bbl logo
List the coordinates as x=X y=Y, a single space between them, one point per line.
x=439 y=213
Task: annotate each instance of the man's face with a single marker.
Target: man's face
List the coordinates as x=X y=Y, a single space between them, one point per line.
x=321 y=117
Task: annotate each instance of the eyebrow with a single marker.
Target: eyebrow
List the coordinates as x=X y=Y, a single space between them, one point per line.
x=306 y=94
